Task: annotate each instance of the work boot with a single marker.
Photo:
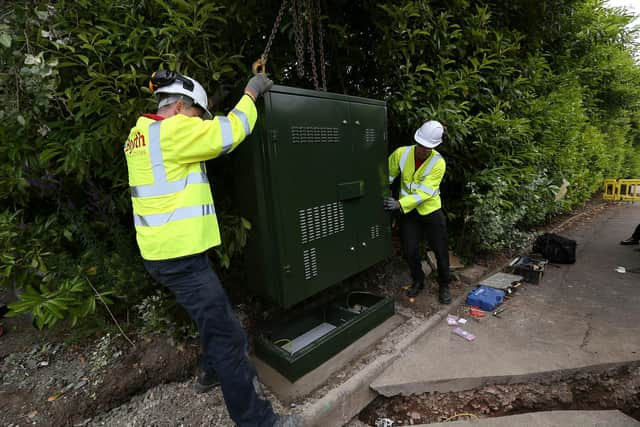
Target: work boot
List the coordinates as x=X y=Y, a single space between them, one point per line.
x=415 y=289
x=289 y=421
x=444 y=296
x=630 y=241
x=206 y=381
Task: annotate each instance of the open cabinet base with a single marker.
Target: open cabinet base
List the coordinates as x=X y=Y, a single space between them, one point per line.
x=296 y=346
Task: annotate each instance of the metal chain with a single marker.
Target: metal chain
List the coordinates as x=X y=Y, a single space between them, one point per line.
x=298 y=31
x=276 y=24
x=311 y=48
x=303 y=10
x=321 y=43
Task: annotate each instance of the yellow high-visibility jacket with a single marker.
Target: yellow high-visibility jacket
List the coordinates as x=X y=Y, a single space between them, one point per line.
x=419 y=189
x=173 y=208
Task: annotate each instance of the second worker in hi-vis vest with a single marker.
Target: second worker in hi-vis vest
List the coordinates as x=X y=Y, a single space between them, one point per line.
x=175 y=221
x=421 y=169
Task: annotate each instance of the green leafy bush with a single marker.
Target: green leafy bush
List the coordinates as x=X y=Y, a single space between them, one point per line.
x=535 y=96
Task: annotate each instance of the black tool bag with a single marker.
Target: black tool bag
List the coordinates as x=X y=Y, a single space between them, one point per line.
x=556 y=248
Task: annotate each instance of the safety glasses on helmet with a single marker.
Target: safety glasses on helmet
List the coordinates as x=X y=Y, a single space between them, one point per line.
x=163 y=78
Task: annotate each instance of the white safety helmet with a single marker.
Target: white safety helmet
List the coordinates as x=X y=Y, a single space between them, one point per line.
x=172 y=83
x=430 y=134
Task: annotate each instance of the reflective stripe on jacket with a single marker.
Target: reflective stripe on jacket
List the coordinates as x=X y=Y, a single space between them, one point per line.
x=173 y=208
x=419 y=189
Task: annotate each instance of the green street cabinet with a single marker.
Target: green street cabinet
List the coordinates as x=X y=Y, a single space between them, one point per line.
x=311 y=179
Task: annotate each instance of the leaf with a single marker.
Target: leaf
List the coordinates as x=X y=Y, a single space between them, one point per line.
x=245 y=223
x=42 y=14
x=5 y=40
x=54 y=309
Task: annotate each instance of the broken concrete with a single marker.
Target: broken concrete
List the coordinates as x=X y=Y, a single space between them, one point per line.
x=581 y=315
x=549 y=419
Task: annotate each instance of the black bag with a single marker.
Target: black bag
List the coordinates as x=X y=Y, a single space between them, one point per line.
x=556 y=248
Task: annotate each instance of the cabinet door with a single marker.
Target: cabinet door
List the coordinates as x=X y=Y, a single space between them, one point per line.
x=309 y=158
x=370 y=221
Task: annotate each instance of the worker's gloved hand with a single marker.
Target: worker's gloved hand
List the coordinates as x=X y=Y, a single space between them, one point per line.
x=391 y=204
x=258 y=85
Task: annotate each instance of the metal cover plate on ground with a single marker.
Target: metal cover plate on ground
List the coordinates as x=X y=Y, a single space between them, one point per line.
x=501 y=280
x=309 y=337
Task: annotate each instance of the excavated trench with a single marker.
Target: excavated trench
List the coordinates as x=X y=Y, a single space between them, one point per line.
x=613 y=388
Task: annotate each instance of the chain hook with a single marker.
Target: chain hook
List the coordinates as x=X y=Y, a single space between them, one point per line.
x=259 y=66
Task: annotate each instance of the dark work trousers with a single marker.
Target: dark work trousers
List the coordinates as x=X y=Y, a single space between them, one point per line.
x=636 y=233
x=413 y=229
x=198 y=289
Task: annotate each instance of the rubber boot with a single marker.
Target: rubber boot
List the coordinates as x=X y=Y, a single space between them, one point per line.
x=444 y=296
x=415 y=289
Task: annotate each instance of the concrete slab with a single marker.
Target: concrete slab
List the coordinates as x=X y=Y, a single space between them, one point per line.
x=581 y=315
x=287 y=391
x=550 y=419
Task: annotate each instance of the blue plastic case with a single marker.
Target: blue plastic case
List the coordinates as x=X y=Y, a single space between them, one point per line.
x=485 y=297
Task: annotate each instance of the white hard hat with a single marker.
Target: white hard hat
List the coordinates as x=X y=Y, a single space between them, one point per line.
x=429 y=134
x=183 y=85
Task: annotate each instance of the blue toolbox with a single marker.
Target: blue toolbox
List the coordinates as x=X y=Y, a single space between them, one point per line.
x=485 y=297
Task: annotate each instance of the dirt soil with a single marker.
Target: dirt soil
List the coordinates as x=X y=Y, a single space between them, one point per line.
x=616 y=388
x=107 y=382
x=54 y=384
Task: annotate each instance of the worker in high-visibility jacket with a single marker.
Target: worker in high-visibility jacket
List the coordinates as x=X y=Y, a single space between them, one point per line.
x=421 y=169
x=175 y=221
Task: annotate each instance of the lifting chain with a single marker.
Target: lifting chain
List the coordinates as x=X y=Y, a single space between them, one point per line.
x=298 y=32
x=321 y=43
x=262 y=62
x=311 y=48
x=301 y=11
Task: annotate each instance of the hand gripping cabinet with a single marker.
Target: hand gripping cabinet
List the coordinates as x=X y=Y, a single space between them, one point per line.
x=311 y=179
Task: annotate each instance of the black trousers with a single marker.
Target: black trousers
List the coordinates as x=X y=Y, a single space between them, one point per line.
x=413 y=229
x=636 y=233
x=198 y=289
